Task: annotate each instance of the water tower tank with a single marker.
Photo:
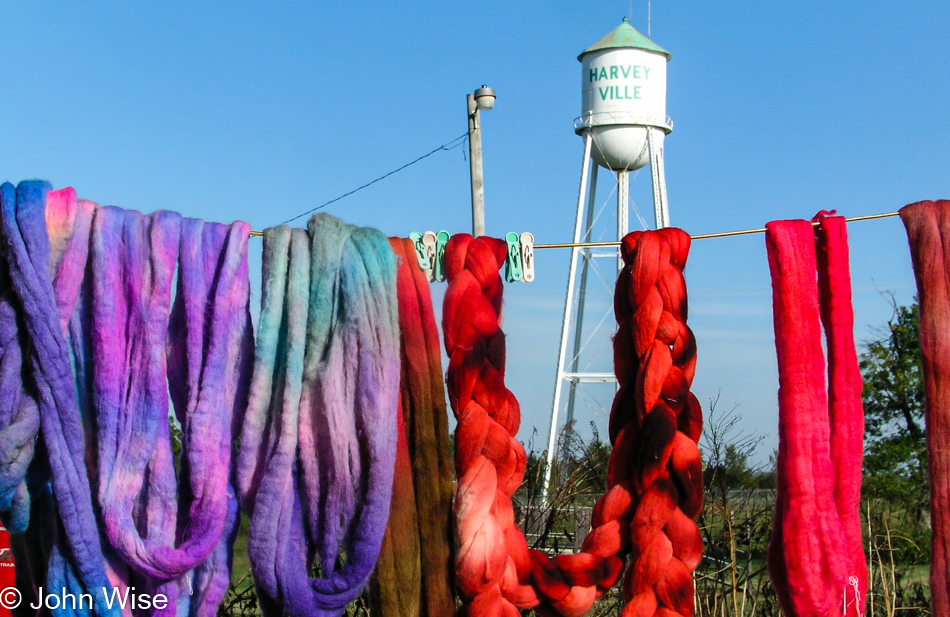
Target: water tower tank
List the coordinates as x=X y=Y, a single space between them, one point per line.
x=624 y=91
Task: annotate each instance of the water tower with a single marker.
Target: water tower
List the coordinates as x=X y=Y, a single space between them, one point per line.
x=623 y=123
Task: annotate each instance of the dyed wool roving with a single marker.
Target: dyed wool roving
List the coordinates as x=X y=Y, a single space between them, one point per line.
x=396 y=585
x=928 y=230
x=654 y=482
x=165 y=529
x=657 y=421
x=415 y=571
x=318 y=443
x=107 y=314
x=210 y=355
x=816 y=561
x=67 y=223
x=19 y=416
x=75 y=564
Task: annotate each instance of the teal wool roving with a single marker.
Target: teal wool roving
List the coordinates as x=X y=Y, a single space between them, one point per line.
x=318 y=441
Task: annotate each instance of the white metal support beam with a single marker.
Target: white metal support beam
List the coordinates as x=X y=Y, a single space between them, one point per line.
x=661 y=208
x=568 y=304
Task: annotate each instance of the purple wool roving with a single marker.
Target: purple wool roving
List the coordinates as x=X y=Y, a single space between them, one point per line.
x=210 y=356
x=174 y=535
x=74 y=561
x=90 y=290
x=318 y=440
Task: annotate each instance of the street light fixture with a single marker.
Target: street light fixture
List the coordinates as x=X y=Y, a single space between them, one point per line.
x=483 y=99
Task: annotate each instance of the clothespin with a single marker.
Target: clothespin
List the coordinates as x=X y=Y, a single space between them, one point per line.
x=422 y=255
x=428 y=242
x=438 y=267
x=527 y=257
x=513 y=258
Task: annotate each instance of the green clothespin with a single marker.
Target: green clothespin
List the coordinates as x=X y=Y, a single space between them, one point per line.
x=422 y=256
x=438 y=269
x=513 y=272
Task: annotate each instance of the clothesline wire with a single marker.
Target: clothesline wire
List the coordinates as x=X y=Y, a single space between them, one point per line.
x=446 y=146
x=723 y=234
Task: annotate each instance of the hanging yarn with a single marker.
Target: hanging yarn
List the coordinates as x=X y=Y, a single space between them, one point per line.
x=19 y=417
x=108 y=277
x=928 y=231
x=396 y=585
x=319 y=434
x=164 y=529
x=846 y=409
x=654 y=477
x=132 y=263
x=655 y=360
x=427 y=435
x=815 y=549
x=414 y=575
x=75 y=560
x=210 y=355
x=68 y=222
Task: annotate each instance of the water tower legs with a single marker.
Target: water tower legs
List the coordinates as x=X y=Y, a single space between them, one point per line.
x=568 y=305
x=623 y=210
x=661 y=208
x=568 y=372
x=582 y=292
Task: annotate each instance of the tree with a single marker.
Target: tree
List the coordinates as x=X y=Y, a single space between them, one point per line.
x=895 y=460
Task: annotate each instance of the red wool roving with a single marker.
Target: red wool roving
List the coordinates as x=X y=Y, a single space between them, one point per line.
x=928 y=230
x=815 y=559
x=654 y=478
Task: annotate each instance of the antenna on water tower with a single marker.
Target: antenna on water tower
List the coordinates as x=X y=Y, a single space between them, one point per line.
x=623 y=123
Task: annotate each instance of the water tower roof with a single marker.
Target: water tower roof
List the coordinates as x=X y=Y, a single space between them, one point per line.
x=625 y=36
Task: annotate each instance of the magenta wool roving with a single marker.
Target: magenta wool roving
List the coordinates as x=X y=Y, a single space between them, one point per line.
x=318 y=442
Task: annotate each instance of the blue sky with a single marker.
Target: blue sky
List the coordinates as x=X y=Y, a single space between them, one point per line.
x=235 y=111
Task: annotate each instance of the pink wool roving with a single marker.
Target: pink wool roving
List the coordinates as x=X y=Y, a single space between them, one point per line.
x=815 y=558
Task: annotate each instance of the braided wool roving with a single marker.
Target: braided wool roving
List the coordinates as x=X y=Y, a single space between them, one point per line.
x=664 y=423
x=816 y=559
x=654 y=482
x=928 y=231
x=414 y=575
x=319 y=437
